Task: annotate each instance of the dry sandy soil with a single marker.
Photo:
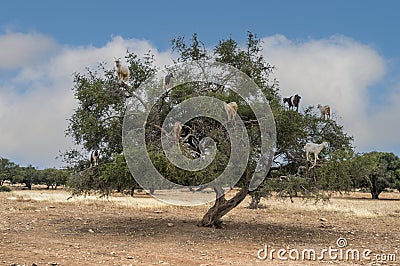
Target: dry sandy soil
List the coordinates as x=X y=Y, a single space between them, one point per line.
x=42 y=227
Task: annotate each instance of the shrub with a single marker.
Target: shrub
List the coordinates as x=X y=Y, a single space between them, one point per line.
x=5 y=189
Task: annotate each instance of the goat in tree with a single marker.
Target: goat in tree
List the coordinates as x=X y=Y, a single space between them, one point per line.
x=293 y=101
x=94 y=158
x=123 y=72
x=231 y=110
x=315 y=149
x=167 y=80
x=177 y=131
x=194 y=144
x=325 y=111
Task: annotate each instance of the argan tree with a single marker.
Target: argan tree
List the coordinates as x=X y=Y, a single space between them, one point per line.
x=97 y=124
x=7 y=170
x=376 y=171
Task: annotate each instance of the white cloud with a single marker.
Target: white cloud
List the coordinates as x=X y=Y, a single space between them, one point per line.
x=23 y=50
x=36 y=102
x=338 y=71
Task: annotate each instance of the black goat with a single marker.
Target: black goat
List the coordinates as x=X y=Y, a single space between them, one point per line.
x=94 y=158
x=167 y=80
x=293 y=101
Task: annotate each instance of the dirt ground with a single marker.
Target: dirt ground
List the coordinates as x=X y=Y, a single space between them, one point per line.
x=42 y=227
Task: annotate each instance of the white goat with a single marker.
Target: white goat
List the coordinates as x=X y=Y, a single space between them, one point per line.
x=122 y=71
x=316 y=149
x=94 y=158
x=325 y=111
x=177 y=131
x=231 y=110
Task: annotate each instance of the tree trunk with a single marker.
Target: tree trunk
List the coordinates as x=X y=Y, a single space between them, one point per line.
x=375 y=190
x=221 y=207
x=255 y=201
x=375 y=194
x=152 y=191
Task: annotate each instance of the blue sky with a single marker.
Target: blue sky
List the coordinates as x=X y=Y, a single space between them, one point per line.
x=93 y=22
x=351 y=49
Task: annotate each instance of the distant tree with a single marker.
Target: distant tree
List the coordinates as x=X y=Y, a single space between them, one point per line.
x=7 y=170
x=5 y=189
x=27 y=175
x=376 y=171
x=52 y=177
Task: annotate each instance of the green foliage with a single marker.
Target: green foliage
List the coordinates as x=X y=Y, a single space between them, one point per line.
x=117 y=174
x=376 y=171
x=108 y=176
x=29 y=175
x=52 y=177
x=335 y=173
x=195 y=51
x=85 y=181
x=396 y=185
x=97 y=122
x=7 y=170
x=249 y=61
x=5 y=189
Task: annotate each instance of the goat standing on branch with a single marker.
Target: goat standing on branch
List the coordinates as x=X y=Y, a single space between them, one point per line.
x=231 y=110
x=196 y=147
x=315 y=149
x=167 y=80
x=194 y=144
x=94 y=158
x=325 y=111
x=177 y=131
x=293 y=101
x=123 y=72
